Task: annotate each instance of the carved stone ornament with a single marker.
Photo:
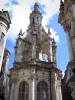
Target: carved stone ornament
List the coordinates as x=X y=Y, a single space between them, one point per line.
x=66 y=26
x=14 y=79
x=73 y=93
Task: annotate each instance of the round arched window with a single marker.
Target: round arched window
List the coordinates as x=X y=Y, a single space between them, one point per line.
x=23 y=91
x=42 y=91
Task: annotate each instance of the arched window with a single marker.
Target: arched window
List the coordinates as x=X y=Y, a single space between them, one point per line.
x=37 y=19
x=2 y=36
x=33 y=20
x=23 y=91
x=42 y=91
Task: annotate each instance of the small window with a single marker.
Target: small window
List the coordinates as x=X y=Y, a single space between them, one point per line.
x=2 y=35
x=37 y=19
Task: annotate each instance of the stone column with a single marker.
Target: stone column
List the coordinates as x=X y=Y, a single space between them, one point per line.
x=58 y=91
x=13 y=91
x=73 y=36
x=69 y=45
x=16 y=89
x=40 y=55
x=50 y=59
x=6 y=78
x=53 y=86
x=34 y=46
x=34 y=85
x=2 y=47
x=33 y=90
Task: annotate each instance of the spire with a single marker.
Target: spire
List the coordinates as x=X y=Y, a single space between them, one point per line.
x=36 y=7
x=20 y=33
x=49 y=32
x=35 y=16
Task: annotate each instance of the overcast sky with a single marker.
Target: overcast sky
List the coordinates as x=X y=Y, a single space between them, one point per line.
x=20 y=10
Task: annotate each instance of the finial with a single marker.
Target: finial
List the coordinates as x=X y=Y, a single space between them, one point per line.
x=61 y=2
x=36 y=6
x=53 y=41
x=49 y=31
x=2 y=10
x=20 y=33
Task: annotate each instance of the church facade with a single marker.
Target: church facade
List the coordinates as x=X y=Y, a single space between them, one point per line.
x=35 y=75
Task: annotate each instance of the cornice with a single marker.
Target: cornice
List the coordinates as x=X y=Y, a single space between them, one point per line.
x=40 y=65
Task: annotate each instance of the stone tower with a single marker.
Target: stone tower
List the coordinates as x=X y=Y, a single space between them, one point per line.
x=35 y=75
x=67 y=20
x=4 y=26
x=4 y=79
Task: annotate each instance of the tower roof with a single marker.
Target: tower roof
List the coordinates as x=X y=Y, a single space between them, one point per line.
x=36 y=11
x=36 y=6
x=4 y=15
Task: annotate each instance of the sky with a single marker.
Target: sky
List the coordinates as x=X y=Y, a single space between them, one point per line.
x=20 y=10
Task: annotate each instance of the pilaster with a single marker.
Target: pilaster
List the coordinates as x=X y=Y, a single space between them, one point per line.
x=50 y=58
x=69 y=42
x=34 y=46
x=53 y=86
x=58 y=86
x=13 y=89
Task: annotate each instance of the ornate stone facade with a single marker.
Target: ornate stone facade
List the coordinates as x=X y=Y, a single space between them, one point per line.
x=67 y=20
x=35 y=75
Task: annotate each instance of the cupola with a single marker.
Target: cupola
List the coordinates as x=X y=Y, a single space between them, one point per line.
x=35 y=16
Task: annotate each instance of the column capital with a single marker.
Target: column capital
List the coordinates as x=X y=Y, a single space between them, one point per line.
x=66 y=26
x=14 y=79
